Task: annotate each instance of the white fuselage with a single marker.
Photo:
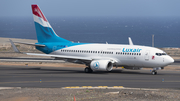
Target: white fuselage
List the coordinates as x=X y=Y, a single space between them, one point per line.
x=125 y=55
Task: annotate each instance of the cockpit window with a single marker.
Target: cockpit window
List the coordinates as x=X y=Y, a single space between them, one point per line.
x=159 y=54
x=163 y=53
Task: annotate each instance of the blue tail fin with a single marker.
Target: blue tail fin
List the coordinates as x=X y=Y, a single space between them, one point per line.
x=44 y=31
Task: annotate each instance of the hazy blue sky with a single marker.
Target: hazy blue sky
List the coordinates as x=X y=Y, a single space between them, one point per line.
x=92 y=7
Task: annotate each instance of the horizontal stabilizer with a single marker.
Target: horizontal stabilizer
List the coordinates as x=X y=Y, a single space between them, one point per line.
x=14 y=47
x=33 y=44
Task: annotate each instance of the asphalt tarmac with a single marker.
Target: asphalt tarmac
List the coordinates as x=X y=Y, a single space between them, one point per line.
x=44 y=77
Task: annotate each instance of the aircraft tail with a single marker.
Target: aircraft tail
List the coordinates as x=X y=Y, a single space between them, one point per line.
x=44 y=31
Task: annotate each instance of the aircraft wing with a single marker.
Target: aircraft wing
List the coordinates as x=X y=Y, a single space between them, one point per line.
x=61 y=56
x=70 y=57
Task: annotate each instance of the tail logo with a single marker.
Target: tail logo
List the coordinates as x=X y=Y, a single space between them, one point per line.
x=36 y=10
x=44 y=31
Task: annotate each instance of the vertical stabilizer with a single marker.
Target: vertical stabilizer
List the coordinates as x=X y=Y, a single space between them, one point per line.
x=44 y=31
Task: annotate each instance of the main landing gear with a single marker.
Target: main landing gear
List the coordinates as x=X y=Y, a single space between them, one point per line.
x=88 y=70
x=154 y=72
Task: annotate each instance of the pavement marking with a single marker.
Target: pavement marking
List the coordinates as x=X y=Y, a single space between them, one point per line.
x=95 y=87
x=13 y=76
x=118 y=86
x=114 y=87
x=86 y=86
x=73 y=87
x=3 y=88
x=103 y=86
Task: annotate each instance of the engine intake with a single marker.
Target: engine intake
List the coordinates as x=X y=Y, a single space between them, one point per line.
x=101 y=65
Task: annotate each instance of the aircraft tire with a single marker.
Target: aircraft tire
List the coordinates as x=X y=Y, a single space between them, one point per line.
x=88 y=70
x=154 y=72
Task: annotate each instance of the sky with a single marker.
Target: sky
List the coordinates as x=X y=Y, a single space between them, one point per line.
x=92 y=8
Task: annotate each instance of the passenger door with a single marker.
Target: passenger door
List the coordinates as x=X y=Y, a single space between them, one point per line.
x=147 y=53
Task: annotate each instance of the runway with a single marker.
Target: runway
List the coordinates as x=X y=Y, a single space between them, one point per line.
x=24 y=76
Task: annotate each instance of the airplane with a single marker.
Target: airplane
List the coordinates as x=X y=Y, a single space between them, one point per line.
x=97 y=57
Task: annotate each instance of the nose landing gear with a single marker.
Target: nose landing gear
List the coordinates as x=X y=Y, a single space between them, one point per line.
x=154 y=72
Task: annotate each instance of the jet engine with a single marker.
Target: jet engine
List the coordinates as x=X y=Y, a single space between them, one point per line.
x=101 y=65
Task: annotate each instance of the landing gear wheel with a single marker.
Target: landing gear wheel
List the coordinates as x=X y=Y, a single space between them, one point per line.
x=154 y=72
x=88 y=70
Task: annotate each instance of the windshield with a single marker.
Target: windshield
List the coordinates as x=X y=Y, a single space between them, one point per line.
x=160 y=54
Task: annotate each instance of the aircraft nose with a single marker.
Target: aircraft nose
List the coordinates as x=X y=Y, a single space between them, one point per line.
x=170 y=60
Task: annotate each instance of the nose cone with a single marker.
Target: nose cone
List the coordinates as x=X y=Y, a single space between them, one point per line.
x=170 y=60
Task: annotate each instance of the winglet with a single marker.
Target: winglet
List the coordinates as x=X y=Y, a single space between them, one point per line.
x=130 y=41
x=14 y=47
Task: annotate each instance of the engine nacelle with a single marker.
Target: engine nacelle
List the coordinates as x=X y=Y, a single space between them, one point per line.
x=101 y=65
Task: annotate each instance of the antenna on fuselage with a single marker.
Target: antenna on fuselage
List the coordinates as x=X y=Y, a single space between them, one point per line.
x=130 y=41
x=153 y=40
